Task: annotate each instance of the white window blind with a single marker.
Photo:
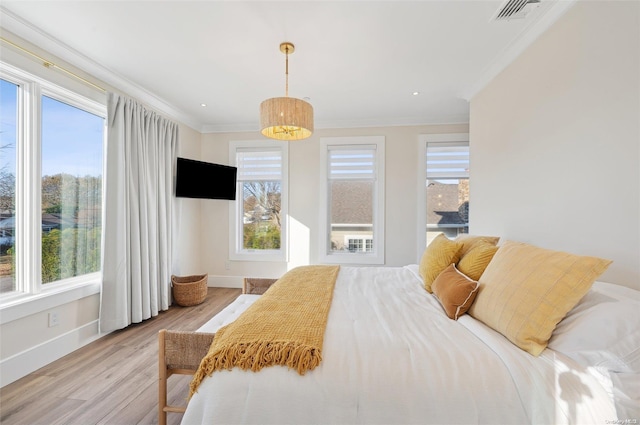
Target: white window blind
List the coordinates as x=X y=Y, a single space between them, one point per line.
x=260 y=165
x=447 y=160
x=352 y=163
x=352 y=209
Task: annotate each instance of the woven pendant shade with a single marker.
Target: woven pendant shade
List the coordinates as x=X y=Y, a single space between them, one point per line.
x=286 y=118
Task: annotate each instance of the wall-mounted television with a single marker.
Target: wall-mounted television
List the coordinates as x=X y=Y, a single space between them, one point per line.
x=205 y=180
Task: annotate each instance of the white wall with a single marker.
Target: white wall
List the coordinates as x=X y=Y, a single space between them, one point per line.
x=555 y=141
x=188 y=255
x=304 y=162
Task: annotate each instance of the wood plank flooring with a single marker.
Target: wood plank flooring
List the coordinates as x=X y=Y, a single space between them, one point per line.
x=113 y=380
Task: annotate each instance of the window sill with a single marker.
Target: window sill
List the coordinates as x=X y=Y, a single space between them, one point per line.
x=28 y=304
x=259 y=255
x=354 y=259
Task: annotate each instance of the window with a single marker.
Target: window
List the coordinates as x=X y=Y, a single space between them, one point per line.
x=359 y=244
x=447 y=188
x=353 y=205
x=51 y=143
x=8 y=142
x=258 y=216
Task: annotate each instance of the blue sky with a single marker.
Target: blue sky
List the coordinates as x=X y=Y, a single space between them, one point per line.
x=71 y=138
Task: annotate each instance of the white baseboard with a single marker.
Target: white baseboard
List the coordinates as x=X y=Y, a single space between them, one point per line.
x=28 y=361
x=225 y=281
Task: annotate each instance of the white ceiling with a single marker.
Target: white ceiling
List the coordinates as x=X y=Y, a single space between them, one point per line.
x=357 y=62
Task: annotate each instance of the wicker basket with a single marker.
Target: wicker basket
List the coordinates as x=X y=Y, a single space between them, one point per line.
x=189 y=290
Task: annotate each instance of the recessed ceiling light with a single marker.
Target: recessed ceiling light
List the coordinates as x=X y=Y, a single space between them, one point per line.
x=203 y=104
x=415 y=93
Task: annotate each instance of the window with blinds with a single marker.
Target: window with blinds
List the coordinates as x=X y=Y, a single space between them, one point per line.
x=259 y=165
x=352 y=163
x=447 y=187
x=354 y=187
x=259 y=211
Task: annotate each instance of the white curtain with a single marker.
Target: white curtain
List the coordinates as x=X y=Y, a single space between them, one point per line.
x=138 y=228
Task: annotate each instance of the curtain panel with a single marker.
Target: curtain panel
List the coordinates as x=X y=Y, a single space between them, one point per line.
x=140 y=214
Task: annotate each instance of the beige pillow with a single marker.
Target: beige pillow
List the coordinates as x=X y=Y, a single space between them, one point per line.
x=440 y=253
x=455 y=291
x=526 y=291
x=475 y=261
x=469 y=241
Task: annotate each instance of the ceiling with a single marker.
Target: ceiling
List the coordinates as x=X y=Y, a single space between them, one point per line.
x=357 y=62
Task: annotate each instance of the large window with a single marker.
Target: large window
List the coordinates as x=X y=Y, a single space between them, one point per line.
x=258 y=216
x=51 y=143
x=353 y=179
x=8 y=142
x=447 y=188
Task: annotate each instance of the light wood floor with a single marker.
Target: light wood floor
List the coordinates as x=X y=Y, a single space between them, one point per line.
x=113 y=380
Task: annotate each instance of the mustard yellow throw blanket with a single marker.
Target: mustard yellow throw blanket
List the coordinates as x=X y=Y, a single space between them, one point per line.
x=285 y=326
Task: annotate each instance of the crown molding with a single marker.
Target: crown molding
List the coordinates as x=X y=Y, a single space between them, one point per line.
x=399 y=122
x=366 y=123
x=550 y=12
x=28 y=32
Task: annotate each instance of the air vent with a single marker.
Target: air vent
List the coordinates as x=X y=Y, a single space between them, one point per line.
x=515 y=9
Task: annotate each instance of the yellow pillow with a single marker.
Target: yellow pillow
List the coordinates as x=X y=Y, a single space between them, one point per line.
x=440 y=253
x=455 y=291
x=469 y=241
x=526 y=291
x=476 y=259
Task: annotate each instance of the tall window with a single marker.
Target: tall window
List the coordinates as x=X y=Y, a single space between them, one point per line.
x=447 y=188
x=8 y=141
x=51 y=184
x=354 y=209
x=259 y=212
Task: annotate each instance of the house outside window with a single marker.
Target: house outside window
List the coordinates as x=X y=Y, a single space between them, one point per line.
x=353 y=203
x=258 y=228
x=359 y=244
x=51 y=144
x=447 y=188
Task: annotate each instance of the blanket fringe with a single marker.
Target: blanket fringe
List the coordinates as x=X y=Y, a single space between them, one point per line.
x=256 y=355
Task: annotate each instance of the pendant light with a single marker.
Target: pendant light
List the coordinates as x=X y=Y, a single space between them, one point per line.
x=286 y=118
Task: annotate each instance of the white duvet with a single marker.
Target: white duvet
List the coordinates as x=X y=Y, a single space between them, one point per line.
x=392 y=356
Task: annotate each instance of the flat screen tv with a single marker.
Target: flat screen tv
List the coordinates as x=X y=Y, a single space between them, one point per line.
x=205 y=180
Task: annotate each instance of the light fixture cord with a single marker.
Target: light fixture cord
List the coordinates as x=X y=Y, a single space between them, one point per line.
x=286 y=71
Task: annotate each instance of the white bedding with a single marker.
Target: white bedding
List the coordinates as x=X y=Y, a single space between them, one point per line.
x=392 y=356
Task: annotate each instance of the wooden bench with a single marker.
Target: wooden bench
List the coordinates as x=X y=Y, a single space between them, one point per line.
x=179 y=352
x=256 y=285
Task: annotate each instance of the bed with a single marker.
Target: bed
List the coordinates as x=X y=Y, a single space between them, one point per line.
x=392 y=354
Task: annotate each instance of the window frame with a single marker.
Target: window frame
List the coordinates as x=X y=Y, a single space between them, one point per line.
x=377 y=257
x=421 y=196
x=236 y=252
x=31 y=294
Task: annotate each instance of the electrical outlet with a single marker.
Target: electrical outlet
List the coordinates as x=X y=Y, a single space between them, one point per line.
x=54 y=320
x=227 y=265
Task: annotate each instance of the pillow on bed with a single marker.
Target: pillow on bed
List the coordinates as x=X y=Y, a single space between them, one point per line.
x=455 y=291
x=440 y=253
x=526 y=290
x=475 y=261
x=601 y=332
x=470 y=241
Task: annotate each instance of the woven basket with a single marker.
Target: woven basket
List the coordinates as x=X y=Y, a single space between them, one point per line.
x=189 y=290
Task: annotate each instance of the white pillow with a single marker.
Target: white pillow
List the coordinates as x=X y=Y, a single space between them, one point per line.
x=602 y=333
x=602 y=330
